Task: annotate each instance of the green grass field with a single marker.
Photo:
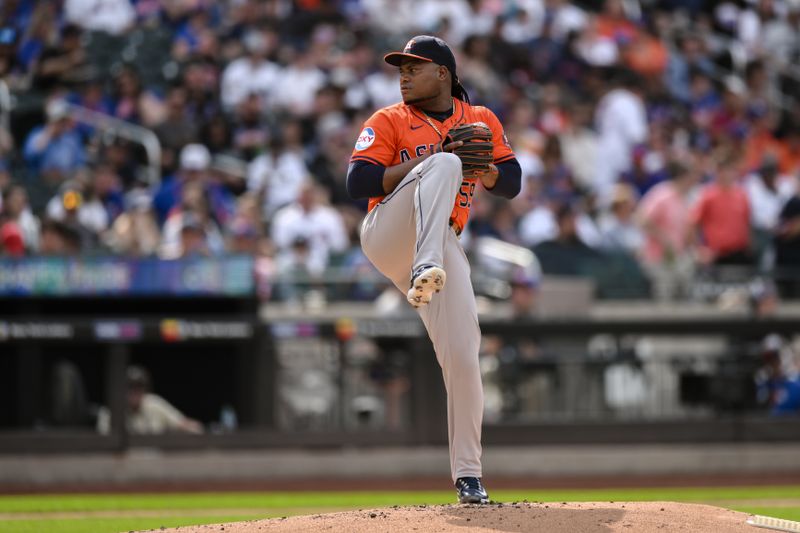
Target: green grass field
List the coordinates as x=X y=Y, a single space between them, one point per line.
x=113 y=513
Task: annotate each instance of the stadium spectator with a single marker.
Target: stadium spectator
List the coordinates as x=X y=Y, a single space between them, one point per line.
x=300 y=81
x=279 y=86
x=6 y=153
x=10 y=69
x=789 y=151
x=524 y=292
x=309 y=226
x=133 y=102
x=216 y=134
x=59 y=239
x=242 y=238
x=722 y=217
x=621 y=124
x=687 y=57
x=77 y=206
x=767 y=192
x=193 y=238
x=546 y=51
x=618 y=226
x=539 y=224
x=15 y=209
x=781 y=39
x=62 y=63
x=55 y=150
x=195 y=162
x=644 y=173
x=250 y=131
x=380 y=86
x=787 y=248
x=191 y=228
x=566 y=254
x=778 y=378
x=567 y=18
x=109 y=16
x=11 y=241
x=580 y=145
x=729 y=121
x=177 y=129
x=135 y=232
x=106 y=187
x=664 y=214
x=200 y=79
x=253 y=74
x=277 y=176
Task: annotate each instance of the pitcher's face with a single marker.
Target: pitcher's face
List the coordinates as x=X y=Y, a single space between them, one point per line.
x=420 y=80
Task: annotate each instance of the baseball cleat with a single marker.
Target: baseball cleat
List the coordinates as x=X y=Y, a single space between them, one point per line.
x=470 y=490
x=428 y=280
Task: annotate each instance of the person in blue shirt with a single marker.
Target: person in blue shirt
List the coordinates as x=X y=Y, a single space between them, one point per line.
x=195 y=162
x=55 y=150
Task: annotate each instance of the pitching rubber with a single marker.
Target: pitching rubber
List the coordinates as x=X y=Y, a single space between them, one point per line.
x=425 y=286
x=775 y=524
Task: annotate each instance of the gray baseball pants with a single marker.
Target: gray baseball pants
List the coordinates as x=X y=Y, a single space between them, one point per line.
x=408 y=229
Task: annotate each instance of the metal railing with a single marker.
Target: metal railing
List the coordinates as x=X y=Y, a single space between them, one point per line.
x=125 y=130
x=5 y=106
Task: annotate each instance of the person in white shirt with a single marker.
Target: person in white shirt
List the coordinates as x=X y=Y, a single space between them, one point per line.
x=277 y=176
x=299 y=83
x=781 y=36
x=567 y=18
x=579 y=145
x=71 y=204
x=621 y=122
x=253 y=73
x=309 y=219
x=527 y=23
x=767 y=192
x=379 y=89
x=456 y=15
x=110 y=16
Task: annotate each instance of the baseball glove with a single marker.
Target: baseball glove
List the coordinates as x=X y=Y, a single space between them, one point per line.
x=477 y=152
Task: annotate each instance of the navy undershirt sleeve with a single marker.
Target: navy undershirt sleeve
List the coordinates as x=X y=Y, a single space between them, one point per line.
x=509 y=182
x=365 y=180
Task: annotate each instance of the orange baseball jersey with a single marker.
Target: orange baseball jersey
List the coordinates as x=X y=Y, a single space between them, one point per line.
x=400 y=132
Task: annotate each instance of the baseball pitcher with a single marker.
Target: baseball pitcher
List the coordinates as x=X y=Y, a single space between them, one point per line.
x=419 y=162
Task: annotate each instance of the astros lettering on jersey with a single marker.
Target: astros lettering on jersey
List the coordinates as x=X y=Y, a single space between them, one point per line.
x=398 y=133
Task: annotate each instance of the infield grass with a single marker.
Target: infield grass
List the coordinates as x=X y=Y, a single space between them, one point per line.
x=114 y=513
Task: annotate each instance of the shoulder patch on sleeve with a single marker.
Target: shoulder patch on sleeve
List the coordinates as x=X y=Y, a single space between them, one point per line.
x=365 y=139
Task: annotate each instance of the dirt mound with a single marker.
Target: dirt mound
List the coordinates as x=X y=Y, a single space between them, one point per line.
x=584 y=517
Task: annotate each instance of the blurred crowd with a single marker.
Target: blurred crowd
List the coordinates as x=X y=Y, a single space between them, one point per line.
x=662 y=132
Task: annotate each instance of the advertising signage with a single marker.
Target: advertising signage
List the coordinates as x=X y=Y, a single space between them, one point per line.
x=97 y=276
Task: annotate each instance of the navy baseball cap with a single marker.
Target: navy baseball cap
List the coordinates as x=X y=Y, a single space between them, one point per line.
x=425 y=48
x=431 y=49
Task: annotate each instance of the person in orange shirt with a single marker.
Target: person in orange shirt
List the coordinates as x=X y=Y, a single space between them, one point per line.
x=419 y=203
x=647 y=55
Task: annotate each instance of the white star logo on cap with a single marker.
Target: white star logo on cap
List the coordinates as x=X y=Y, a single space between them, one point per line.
x=407 y=49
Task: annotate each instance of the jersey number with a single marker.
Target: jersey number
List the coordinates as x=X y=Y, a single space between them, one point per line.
x=465 y=194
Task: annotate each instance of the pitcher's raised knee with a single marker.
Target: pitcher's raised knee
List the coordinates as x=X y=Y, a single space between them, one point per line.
x=447 y=161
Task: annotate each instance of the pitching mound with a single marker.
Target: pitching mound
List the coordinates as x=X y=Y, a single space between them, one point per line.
x=584 y=517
